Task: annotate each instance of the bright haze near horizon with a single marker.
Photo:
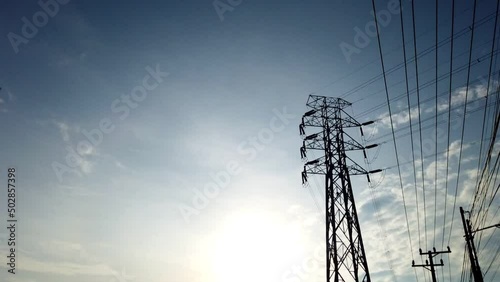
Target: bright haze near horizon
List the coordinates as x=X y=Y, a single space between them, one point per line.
x=158 y=140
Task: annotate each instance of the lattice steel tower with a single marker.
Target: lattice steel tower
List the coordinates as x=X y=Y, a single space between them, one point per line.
x=345 y=254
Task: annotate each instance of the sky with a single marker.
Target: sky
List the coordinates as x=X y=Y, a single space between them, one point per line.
x=158 y=140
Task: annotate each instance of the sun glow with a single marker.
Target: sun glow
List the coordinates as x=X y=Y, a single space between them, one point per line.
x=253 y=246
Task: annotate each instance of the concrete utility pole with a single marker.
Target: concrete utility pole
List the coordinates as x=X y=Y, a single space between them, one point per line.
x=429 y=264
x=469 y=239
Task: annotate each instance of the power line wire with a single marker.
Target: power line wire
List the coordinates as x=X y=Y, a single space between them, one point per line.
x=423 y=85
x=426 y=127
x=486 y=18
x=487 y=91
x=449 y=118
x=463 y=123
x=419 y=119
x=410 y=123
x=429 y=50
x=436 y=131
x=392 y=126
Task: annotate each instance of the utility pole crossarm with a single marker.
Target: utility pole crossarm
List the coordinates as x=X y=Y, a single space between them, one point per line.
x=429 y=264
x=488 y=227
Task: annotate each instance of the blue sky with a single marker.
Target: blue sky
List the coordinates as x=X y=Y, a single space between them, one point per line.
x=214 y=82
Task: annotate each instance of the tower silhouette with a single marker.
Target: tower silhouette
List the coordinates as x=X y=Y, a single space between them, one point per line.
x=345 y=253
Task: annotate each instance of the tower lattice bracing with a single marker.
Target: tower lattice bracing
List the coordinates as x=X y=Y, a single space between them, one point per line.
x=327 y=119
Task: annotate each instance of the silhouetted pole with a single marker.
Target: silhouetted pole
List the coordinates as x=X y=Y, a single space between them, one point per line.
x=429 y=264
x=469 y=239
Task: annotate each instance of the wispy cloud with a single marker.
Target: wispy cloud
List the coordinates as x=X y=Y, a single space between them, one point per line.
x=458 y=97
x=63 y=258
x=398 y=119
x=65 y=60
x=474 y=93
x=64 y=130
x=70 y=134
x=78 y=191
x=6 y=97
x=390 y=213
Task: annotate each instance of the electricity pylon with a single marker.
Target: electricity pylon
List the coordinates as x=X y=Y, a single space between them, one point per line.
x=345 y=253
